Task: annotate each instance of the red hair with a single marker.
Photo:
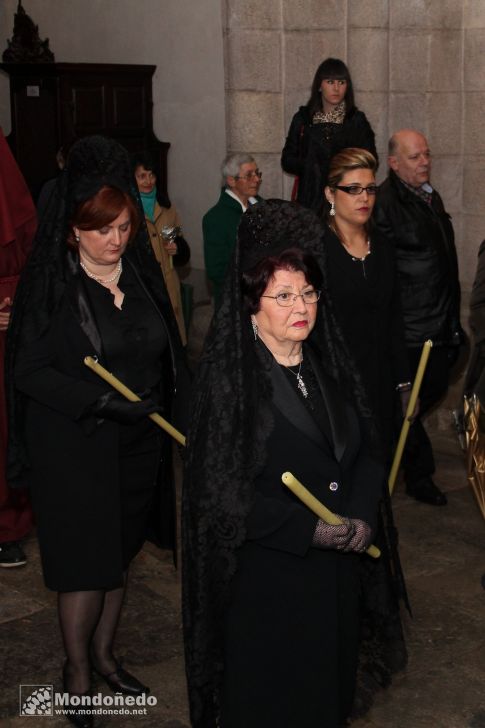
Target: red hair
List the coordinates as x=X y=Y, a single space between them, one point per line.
x=101 y=209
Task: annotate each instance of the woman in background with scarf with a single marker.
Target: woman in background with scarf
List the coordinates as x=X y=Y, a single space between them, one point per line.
x=329 y=122
x=165 y=231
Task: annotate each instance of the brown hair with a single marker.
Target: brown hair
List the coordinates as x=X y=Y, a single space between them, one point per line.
x=101 y=209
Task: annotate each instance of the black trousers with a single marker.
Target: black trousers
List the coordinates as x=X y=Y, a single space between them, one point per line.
x=418 y=459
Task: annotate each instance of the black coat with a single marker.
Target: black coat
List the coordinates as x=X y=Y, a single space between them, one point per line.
x=424 y=243
x=74 y=471
x=310 y=147
x=291 y=630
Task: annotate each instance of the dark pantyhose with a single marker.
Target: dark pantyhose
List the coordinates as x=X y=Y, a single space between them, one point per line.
x=88 y=621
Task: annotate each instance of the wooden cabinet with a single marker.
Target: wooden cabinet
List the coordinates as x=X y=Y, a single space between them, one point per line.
x=54 y=103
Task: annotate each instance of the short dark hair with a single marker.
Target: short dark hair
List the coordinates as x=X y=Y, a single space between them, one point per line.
x=101 y=209
x=148 y=161
x=255 y=281
x=144 y=159
x=332 y=68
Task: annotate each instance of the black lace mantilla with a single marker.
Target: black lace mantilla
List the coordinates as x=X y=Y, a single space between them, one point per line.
x=230 y=423
x=92 y=163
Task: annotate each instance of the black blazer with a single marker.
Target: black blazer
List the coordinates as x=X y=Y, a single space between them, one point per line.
x=338 y=471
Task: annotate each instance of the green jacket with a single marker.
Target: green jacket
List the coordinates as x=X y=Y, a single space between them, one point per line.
x=219 y=228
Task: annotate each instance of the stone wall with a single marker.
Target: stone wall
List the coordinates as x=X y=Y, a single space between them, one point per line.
x=418 y=63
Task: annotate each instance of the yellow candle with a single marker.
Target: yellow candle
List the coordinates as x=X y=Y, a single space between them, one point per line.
x=317 y=507
x=123 y=389
x=409 y=411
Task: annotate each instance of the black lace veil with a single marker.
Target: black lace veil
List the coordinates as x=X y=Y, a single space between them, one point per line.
x=229 y=424
x=93 y=162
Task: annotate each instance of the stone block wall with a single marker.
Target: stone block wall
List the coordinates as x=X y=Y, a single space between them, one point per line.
x=418 y=63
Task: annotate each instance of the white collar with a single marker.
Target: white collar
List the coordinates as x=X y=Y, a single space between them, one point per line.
x=251 y=200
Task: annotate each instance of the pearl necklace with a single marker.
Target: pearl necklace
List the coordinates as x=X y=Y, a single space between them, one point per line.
x=111 y=278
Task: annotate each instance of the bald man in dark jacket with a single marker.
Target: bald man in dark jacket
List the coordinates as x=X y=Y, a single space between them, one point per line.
x=412 y=216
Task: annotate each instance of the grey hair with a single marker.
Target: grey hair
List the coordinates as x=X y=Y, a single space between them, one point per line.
x=232 y=163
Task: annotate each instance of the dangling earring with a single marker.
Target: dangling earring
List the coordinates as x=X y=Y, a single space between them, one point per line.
x=255 y=328
x=332 y=209
x=76 y=237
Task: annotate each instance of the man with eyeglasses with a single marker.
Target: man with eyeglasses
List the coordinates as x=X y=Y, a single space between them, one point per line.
x=411 y=214
x=242 y=180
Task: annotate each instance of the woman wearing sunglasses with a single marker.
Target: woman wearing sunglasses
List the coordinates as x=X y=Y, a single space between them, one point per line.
x=363 y=284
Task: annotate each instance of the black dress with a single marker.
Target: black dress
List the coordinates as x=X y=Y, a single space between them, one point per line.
x=366 y=298
x=92 y=482
x=292 y=626
x=367 y=305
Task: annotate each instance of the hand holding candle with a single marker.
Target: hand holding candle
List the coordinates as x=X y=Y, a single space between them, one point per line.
x=317 y=507
x=409 y=413
x=96 y=367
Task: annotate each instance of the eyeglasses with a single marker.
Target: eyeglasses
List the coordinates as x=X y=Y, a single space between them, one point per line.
x=357 y=189
x=249 y=175
x=289 y=299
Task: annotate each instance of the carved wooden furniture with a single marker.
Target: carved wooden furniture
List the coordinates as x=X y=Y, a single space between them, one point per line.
x=54 y=103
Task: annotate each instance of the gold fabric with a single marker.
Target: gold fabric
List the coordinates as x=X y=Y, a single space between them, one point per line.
x=475 y=441
x=163 y=216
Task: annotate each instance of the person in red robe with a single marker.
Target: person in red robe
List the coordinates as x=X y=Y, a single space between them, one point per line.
x=18 y=223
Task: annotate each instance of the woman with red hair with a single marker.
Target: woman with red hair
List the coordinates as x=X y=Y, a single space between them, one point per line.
x=92 y=459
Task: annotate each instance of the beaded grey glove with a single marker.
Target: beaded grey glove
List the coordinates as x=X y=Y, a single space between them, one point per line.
x=361 y=537
x=333 y=537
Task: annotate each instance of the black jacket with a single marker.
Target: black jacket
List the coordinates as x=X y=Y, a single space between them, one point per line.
x=427 y=265
x=309 y=148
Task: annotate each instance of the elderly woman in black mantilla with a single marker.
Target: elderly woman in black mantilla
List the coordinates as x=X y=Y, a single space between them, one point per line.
x=271 y=595
x=91 y=458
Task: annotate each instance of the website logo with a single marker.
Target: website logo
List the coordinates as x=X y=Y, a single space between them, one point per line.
x=36 y=700
x=40 y=700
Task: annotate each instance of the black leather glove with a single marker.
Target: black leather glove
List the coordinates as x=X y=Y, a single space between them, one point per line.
x=112 y=406
x=361 y=538
x=333 y=537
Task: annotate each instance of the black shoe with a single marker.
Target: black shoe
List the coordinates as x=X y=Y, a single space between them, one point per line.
x=121 y=681
x=74 y=714
x=426 y=491
x=11 y=554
